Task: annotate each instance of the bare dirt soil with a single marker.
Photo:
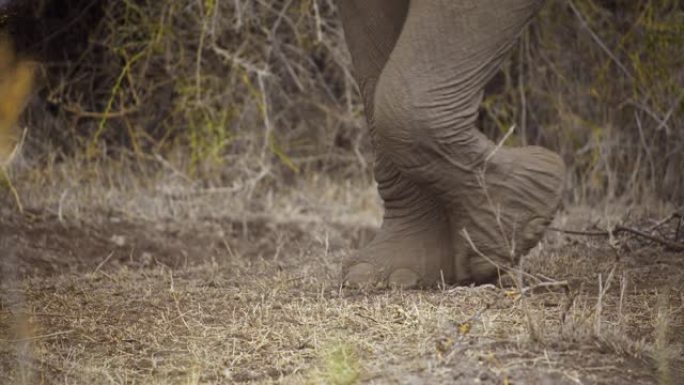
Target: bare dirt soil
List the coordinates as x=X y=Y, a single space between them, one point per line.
x=114 y=300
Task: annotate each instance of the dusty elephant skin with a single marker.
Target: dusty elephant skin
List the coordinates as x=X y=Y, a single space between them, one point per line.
x=422 y=66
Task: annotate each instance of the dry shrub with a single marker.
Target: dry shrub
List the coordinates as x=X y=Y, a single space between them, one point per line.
x=207 y=79
x=602 y=82
x=269 y=81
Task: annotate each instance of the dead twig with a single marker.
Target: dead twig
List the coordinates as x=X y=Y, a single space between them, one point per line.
x=599 y=42
x=76 y=110
x=5 y=173
x=104 y=261
x=34 y=338
x=580 y=232
x=663 y=222
x=562 y=284
x=672 y=245
x=676 y=246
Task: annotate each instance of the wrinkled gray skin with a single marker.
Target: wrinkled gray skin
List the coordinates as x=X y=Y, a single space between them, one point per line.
x=421 y=66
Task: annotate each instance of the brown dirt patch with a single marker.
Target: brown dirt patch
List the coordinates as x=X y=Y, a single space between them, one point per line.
x=40 y=244
x=128 y=301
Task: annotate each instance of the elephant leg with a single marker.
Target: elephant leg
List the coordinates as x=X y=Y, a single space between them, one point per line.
x=413 y=246
x=426 y=107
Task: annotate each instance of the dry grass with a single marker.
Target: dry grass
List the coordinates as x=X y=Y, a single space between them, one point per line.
x=190 y=288
x=262 y=322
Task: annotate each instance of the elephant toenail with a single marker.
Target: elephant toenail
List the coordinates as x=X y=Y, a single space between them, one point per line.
x=360 y=273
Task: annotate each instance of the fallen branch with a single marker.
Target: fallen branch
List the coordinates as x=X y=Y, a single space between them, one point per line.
x=676 y=246
x=664 y=222
x=671 y=244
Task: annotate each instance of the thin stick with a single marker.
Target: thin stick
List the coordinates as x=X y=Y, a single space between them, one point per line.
x=483 y=184
x=496 y=149
x=622 y=229
x=4 y=170
x=508 y=269
x=673 y=245
x=580 y=232
x=598 y=40
x=4 y=176
x=317 y=14
x=238 y=15
x=565 y=284
x=44 y=336
x=669 y=113
x=99 y=266
x=663 y=222
x=76 y=110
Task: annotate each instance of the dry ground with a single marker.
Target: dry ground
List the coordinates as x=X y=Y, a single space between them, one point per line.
x=126 y=284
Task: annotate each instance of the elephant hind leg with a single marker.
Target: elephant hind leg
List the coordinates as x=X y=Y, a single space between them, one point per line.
x=426 y=106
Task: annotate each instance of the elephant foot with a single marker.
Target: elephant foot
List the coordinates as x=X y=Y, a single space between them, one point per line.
x=411 y=250
x=502 y=210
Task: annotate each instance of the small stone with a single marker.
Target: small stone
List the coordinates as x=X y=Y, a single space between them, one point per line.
x=146 y=258
x=118 y=240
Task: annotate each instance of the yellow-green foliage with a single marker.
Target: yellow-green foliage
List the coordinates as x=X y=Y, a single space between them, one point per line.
x=339 y=366
x=269 y=81
x=16 y=77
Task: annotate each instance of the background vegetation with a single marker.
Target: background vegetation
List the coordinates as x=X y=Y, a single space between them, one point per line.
x=263 y=87
x=193 y=172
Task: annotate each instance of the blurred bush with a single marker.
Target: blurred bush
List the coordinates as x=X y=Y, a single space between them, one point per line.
x=15 y=85
x=205 y=82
